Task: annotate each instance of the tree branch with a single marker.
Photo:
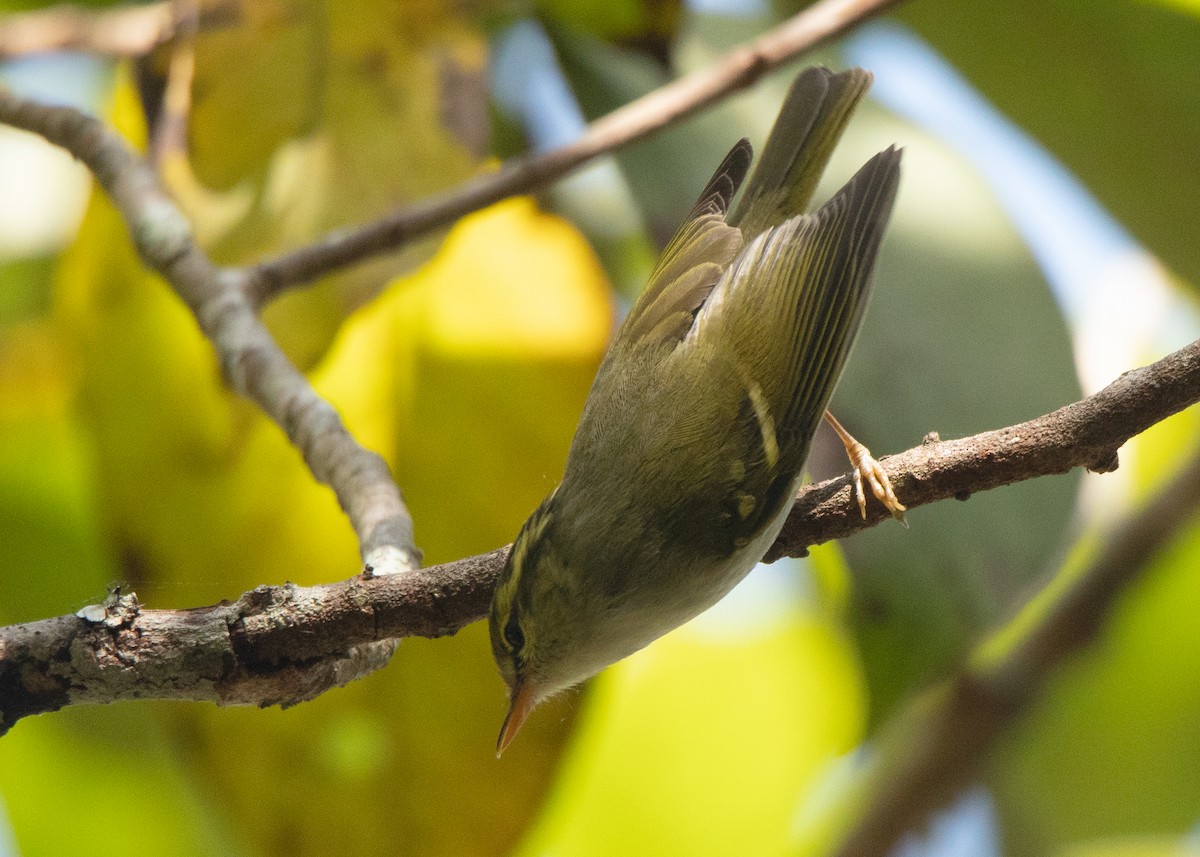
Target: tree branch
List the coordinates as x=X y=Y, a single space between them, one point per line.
x=132 y=31
x=665 y=106
x=251 y=361
x=263 y=649
x=948 y=739
x=1087 y=434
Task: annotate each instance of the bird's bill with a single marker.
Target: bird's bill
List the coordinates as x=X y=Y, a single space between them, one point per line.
x=519 y=706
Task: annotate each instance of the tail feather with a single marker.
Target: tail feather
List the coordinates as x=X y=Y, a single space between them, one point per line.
x=810 y=123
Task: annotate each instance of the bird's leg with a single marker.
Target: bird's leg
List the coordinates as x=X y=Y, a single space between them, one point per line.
x=867 y=467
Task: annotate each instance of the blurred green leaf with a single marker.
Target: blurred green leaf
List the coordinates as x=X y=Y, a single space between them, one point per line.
x=1111 y=87
x=259 y=78
x=26 y=291
x=344 y=111
x=1132 y=846
x=89 y=780
x=644 y=21
x=53 y=557
x=1109 y=749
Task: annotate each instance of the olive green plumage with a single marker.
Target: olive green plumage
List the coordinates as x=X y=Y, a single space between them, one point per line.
x=690 y=448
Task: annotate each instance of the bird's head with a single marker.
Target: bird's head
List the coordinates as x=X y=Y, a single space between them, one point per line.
x=538 y=629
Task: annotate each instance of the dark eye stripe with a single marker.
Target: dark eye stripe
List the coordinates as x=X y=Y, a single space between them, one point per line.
x=513 y=635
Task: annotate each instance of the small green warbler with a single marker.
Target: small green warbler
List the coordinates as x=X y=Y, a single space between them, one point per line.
x=690 y=449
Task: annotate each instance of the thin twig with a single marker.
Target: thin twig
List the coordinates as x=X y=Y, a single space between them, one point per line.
x=947 y=739
x=122 y=32
x=262 y=649
x=170 y=130
x=737 y=70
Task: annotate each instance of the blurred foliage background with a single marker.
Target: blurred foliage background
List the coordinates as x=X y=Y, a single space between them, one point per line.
x=1043 y=242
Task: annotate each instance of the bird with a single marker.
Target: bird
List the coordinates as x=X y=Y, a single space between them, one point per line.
x=691 y=445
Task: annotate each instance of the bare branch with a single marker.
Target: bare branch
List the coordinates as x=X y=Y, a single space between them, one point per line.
x=665 y=106
x=132 y=31
x=1084 y=434
x=252 y=363
x=233 y=654
x=263 y=649
x=948 y=739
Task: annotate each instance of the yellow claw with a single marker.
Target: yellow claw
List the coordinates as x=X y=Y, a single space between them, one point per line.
x=865 y=466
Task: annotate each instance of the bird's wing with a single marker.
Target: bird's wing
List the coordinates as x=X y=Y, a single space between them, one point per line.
x=811 y=120
x=692 y=262
x=788 y=309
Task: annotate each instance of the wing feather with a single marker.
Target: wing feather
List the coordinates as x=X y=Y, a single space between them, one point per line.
x=790 y=305
x=692 y=262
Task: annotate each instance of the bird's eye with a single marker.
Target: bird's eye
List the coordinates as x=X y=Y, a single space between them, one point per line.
x=513 y=635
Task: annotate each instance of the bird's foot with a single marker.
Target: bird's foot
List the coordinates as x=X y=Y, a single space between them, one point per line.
x=866 y=468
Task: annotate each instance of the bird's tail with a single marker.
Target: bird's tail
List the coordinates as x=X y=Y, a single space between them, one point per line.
x=810 y=123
